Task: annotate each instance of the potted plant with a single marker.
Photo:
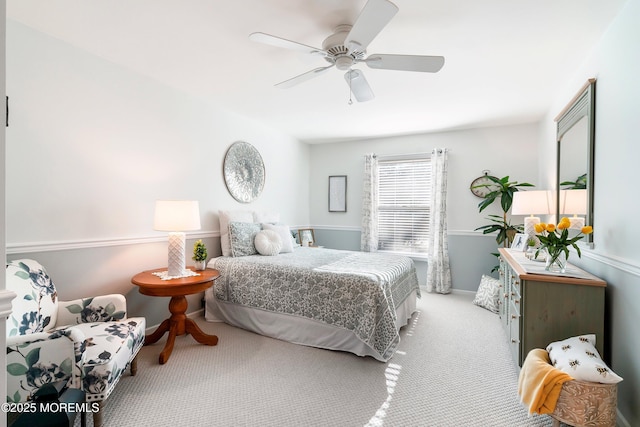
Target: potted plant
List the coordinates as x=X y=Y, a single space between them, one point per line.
x=200 y=255
x=502 y=189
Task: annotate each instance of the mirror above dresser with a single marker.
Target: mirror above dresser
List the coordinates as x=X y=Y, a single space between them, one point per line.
x=575 y=137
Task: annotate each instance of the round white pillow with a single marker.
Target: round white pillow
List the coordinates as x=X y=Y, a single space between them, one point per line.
x=268 y=242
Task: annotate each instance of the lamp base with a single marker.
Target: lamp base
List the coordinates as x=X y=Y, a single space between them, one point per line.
x=529 y=227
x=576 y=222
x=176 y=254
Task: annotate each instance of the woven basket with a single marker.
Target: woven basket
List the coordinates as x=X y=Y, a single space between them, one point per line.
x=586 y=404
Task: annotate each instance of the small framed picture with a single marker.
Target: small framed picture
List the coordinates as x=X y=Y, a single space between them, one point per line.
x=306 y=237
x=338 y=193
x=519 y=242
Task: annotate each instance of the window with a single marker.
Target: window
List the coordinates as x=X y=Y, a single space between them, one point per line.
x=404 y=193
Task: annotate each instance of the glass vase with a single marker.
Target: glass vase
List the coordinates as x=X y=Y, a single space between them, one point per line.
x=556 y=262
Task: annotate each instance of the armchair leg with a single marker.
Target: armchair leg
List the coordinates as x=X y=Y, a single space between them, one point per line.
x=134 y=366
x=97 y=416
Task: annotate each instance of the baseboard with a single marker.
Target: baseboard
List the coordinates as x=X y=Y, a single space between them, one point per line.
x=621 y=421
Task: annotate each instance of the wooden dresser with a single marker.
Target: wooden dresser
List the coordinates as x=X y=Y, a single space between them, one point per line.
x=537 y=308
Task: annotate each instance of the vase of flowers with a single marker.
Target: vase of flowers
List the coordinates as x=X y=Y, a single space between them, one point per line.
x=199 y=255
x=555 y=240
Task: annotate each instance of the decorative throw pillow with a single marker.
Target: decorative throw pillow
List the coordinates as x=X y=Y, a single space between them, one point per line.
x=578 y=357
x=225 y=218
x=268 y=242
x=487 y=295
x=241 y=237
x=285 y=236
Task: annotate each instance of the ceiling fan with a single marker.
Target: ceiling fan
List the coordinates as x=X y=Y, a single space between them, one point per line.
x=346 y=47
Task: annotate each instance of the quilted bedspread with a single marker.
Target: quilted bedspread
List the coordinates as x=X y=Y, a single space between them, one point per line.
x=358 y=291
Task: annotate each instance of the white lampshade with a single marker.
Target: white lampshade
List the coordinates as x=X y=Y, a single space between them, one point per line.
x=176 y=217
x=530 y=202
x=574 y=202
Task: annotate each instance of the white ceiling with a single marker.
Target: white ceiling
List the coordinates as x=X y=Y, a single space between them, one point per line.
x=505 y=59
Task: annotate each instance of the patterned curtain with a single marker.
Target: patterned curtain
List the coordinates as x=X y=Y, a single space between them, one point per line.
x=438 y=272
x=369 y=236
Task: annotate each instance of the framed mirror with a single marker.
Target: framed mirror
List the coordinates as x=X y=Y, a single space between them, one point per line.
x=575 y=167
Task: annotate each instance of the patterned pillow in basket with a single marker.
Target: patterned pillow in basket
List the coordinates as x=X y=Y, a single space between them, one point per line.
x=578 y=357
x=487 y=295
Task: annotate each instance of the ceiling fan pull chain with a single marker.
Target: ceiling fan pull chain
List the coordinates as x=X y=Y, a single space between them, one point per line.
x=350 y=92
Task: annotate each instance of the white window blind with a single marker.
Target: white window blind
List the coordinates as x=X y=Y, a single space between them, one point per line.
x=404 y=192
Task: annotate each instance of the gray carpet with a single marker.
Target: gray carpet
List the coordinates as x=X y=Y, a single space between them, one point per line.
x=452 y=368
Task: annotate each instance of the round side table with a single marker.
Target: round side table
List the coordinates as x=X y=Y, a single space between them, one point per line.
x=177 y=289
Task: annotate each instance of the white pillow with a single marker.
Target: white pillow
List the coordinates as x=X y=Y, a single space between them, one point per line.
x=268 y=242
x=578 y=357
x=266 y=216
x=225 y=218
x=285 y=235
x=487 y=295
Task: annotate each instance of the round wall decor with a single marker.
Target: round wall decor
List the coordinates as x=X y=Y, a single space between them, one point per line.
x=243 y=172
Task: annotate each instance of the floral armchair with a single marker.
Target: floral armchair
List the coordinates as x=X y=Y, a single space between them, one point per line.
x=88 y=342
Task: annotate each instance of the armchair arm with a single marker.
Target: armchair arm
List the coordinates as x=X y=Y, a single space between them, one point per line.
x=37 y=359
x=104 y=308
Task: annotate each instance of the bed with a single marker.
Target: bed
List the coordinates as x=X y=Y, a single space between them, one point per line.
x=333 y=299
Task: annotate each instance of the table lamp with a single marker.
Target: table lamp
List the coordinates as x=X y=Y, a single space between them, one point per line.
x=176 y=217
x=574 y=202
x=530 y=203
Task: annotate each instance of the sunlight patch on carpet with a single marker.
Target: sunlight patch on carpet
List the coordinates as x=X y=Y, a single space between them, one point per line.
x=392 y=373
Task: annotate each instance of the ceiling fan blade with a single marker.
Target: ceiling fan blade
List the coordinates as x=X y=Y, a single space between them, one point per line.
x=375 y=15
x=284 y=43
x=303 y=77
x=359 y=85
x=428 y=64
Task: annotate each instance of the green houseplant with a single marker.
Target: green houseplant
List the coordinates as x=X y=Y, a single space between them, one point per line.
x=501 y=189
x=199 y=255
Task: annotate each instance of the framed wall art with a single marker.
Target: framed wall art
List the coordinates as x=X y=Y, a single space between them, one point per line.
x=338 y=193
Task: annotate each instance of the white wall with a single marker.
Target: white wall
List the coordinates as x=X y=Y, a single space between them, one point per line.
x=508 y=150
x=90 y=148
x=616 y=255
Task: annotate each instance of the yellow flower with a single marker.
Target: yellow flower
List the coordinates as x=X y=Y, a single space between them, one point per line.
x=564 y=223
x=551 y=228
x=540 y=227
x=587 y=229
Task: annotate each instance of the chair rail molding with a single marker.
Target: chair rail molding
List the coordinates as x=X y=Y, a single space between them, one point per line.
x=29 y=247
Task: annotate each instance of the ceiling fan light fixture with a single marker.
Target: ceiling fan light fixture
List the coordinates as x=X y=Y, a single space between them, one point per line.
x=344 y=62
x=359 y=85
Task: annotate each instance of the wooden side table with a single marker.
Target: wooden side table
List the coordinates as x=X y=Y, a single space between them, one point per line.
x=177 y=289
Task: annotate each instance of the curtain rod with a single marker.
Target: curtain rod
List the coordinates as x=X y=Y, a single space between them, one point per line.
x=409 y=155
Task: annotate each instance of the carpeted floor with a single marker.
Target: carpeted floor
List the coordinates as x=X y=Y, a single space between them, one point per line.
x=452 y=368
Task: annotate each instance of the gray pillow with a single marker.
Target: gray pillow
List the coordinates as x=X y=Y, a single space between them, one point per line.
x=241 y=237
x=487 y=295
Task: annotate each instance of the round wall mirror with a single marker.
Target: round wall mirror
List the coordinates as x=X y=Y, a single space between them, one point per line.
x=243 y=171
